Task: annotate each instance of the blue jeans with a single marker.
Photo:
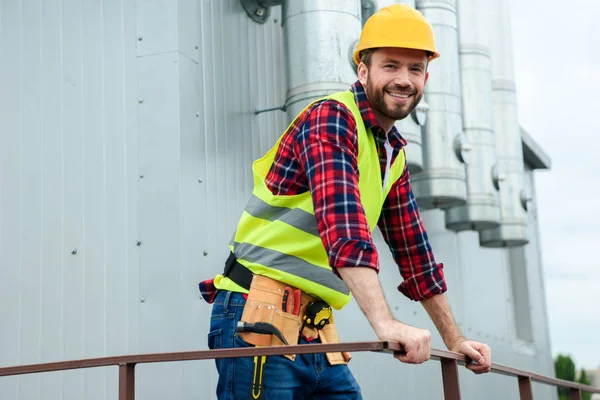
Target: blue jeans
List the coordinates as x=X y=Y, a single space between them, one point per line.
x=309 y=376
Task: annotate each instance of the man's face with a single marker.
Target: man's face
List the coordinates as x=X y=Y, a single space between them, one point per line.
x=394 y=82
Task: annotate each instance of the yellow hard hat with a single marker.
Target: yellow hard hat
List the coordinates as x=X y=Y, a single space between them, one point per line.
x=398 y=25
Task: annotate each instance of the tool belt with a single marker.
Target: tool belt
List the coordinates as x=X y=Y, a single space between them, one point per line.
x=290 y=310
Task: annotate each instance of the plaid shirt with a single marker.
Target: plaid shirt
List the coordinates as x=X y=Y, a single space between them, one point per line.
x=321 y=148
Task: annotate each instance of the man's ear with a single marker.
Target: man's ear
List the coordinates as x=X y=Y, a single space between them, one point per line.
x=426 y=78
x=363 y=72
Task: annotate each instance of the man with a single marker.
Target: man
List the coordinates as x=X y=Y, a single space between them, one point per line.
x=338 y=171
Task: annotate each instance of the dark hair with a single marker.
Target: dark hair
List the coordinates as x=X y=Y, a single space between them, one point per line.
x=365 y=56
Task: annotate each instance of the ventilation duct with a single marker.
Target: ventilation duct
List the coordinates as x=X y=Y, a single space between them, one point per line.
x=512 y=229
x=482 y=208
x=442 y=183
x=318 y=55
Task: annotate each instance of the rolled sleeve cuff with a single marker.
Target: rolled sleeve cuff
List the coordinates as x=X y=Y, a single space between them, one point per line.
x=424 y=285
x=353 y=253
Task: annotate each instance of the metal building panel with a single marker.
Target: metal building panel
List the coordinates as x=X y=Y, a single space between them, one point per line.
x=192 y=220
x=121 y=182
x=31 y=198
x=10 y=192
x=131 y=180
x=187 y=29
x=156 y=26
x=53 y=249
x=159 y=220
x=73 y=195
x=94 y=197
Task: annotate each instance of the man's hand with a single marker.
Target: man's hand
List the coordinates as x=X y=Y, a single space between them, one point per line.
x=365 y=286
x=479 y=353
x=416 y=342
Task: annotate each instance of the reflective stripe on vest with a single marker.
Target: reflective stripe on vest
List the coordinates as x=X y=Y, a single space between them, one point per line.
x=277 y=236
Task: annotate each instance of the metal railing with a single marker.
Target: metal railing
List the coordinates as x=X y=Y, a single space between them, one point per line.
x=449 y=362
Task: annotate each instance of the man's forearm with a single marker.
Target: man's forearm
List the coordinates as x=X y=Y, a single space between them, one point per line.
x=439 y=310
x=364 y=284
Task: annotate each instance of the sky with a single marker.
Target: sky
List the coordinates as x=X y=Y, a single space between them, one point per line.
x=557 y=68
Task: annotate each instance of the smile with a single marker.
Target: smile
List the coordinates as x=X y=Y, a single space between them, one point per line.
x=399 y=95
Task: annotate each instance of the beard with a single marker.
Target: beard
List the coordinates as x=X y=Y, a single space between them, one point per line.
x=394 y=111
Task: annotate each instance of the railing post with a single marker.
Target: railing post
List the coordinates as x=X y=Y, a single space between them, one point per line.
x=127 y=382
x=575 y=394
x=450 y=379
x=525 y=391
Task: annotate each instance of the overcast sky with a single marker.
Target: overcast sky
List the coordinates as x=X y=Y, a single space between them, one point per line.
x=557 y=66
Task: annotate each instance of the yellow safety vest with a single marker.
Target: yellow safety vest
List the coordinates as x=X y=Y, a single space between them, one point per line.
x=277 y=236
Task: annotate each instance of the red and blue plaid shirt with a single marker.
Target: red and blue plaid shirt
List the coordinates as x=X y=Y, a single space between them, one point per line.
x=319 y=153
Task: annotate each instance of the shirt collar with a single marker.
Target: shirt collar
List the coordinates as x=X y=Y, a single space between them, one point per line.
x=368 y=116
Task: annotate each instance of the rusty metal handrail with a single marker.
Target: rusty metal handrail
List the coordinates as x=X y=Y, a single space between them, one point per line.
x=448 y=360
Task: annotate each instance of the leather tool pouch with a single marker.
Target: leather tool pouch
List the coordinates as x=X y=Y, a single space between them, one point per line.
x=264 y=305
x=329 y=335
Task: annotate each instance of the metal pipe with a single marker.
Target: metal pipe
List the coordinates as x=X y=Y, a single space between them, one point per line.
x=512 y=230
x=126 y=381
x=127 y=363
x=450 y=379
x=482 y=210
x=442 y=184
x=317 y=56
x=525 y=391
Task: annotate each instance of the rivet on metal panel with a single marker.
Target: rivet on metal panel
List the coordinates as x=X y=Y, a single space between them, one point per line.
x=197 y=114
x=140 y=101
x=138 y=243
x=200 y=180
x=142 y=300
x=197 y=47
x=140 y=38
x=74 y=251
x=141 y=176
x=205 y=252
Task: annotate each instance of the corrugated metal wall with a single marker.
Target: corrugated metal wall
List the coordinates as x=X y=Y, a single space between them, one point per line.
x=68 y=152
x=127 y=130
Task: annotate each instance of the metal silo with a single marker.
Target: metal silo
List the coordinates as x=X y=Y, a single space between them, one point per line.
x=318 y=57
x=482 y=208
x=513 y=198
x=442 y=181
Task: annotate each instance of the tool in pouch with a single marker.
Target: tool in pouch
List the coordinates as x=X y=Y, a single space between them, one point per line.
x=259 y=361
x=268 y=329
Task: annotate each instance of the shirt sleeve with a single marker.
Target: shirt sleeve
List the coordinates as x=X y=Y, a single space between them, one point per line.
x=403 y=230
x=326 y=146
